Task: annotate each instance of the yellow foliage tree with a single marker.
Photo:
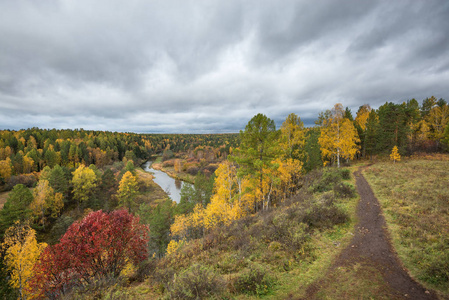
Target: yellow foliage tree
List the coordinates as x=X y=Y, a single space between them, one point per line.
x=189 y=226
x=292 y=139
x=128 y=190
x=338 y=138
x=395 y=156
x=5 y=169
x=438 y=118
x=362 y=116
x=46 y=202
x=84 y=183
x=28 y=164
x=177 y=165
x=21 y=253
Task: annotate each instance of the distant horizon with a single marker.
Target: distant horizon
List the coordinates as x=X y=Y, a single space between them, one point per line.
x=308 y=123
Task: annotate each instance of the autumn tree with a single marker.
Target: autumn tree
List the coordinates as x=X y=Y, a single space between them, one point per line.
x=16 y=207
x=21 y=253
x=438 y=118
x=395 y=156
x=338 y=138
x=371 y=133
x=5 y=170
x=46 y=202
x=127 y=190
x=361 y=120
x=258 y=149
x=292 y=142
x=292 y=138
x=84 y=183
x=98 y=247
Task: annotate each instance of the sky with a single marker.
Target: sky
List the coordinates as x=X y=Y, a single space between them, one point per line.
x=207 y=66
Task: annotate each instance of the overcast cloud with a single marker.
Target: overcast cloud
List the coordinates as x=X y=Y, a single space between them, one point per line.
x=209 y=66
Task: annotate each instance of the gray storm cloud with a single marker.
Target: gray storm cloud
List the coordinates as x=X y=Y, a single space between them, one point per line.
x=209 y=66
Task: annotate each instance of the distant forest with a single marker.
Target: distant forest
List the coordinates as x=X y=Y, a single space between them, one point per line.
x=410 y=126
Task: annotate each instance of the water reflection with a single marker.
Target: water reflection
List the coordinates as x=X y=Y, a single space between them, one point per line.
x=178 y=184
x=171 y=186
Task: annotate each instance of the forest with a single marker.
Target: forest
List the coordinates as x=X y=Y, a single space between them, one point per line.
x=80 y=218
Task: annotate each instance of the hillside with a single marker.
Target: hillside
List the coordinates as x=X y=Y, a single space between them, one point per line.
x=275 y=254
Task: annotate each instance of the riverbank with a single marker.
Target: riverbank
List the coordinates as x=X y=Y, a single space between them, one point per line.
x=170 y=171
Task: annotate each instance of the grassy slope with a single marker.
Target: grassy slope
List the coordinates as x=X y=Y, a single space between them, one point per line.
x=292 y=269
x=414 y=195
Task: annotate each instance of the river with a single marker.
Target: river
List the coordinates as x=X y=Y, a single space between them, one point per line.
x=170 y=185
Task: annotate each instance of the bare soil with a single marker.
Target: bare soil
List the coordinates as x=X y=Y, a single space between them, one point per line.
x=371 y=248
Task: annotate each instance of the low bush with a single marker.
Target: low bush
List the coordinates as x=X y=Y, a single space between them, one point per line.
x=326 y=182
x=197 y=282
x=322 y=216
x=345 y=174
x=255 y=280
x=343 y=190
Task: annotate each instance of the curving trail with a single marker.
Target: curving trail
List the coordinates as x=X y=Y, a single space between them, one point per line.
x=371 y=247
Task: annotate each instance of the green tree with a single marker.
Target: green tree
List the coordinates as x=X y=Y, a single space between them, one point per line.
x=59 y=181
x=393 y=127
x=258 y=149
x=372 y=127
x=312 y=157
x=159 y=220
x=128 y=190
x=108 y=189
x=16 y=207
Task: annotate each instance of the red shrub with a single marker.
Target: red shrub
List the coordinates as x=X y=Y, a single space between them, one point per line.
x=95 y=248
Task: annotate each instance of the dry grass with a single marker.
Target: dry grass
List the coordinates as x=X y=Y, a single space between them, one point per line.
x=152 y=193
x=414 y=195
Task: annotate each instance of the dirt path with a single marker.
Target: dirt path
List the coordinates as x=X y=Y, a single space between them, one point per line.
x=371 y=248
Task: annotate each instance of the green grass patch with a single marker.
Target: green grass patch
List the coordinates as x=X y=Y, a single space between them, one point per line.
x=414 y=195
x=358 y=281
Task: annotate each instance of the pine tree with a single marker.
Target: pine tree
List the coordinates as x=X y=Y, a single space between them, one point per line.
x=16 y=207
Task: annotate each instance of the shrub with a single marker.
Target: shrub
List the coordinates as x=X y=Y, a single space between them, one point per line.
x=192 y=170
x=197 y=282
x=168 y=163
x=327 y=181
x=344 y=190
x=345 y=174
x=95 y=248
x=323 y=216
x=255 y=280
